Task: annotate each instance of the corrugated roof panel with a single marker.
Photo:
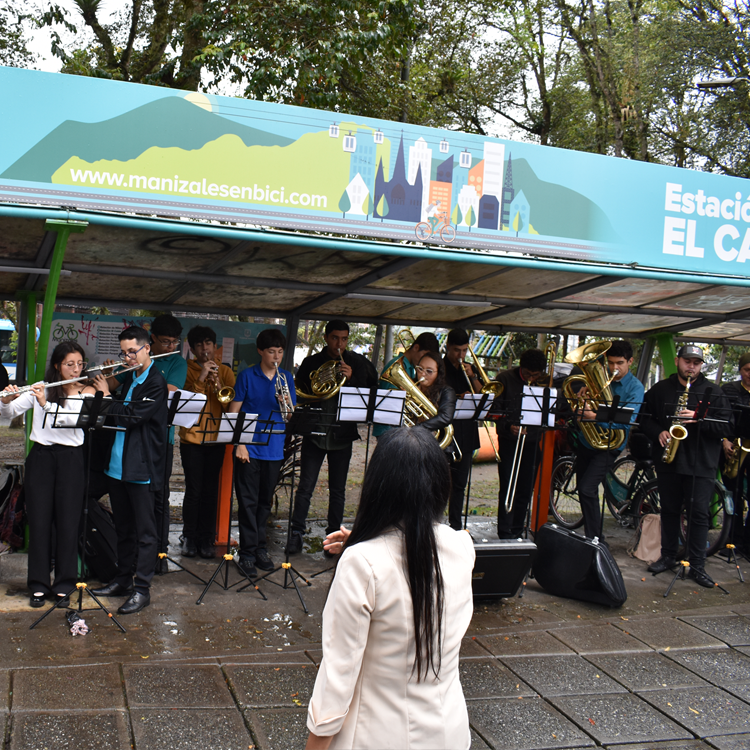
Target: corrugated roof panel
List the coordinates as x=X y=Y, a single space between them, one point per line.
x=524 y=283
x=249 y=298
x=543 y=318
x=433 y=276
x=718 y=299
x=630 y=323
x=631 y=292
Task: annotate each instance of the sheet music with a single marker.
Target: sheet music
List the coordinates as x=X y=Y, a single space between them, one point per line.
x=466 y=406
x=389 y=405
x=189 y=409
x=531 y=406
x=227 y=426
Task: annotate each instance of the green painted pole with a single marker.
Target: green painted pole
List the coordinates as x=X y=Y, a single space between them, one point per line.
x=29 y=299
x=668 y=352
x=64 y=229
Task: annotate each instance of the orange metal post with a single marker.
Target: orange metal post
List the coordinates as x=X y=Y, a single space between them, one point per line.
x=540 y=507
x=224 y=506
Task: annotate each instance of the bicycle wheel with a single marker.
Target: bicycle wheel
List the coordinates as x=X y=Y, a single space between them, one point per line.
x=620 y=487
x=719 y=522
x=447 y=233
x=423 y=231
x=646 y=499
x=563 y=494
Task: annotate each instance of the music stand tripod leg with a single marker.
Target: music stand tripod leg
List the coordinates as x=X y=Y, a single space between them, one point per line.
x=733 y=560
x=680 y=573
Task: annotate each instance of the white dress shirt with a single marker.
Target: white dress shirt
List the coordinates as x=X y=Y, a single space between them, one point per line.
x=42 y=431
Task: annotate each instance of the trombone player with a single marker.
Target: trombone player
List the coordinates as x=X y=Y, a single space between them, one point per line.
x=530 y=369
x=349 y=368
x=202 y=457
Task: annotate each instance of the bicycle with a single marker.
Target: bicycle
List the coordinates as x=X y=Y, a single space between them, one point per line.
x=424 y=230
x=61 y=333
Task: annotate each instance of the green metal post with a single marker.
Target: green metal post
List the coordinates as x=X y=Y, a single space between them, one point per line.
x=668 y=352
x=64 y=230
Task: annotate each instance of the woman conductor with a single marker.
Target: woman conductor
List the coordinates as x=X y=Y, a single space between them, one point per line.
x=54 y=477
x=398 y=607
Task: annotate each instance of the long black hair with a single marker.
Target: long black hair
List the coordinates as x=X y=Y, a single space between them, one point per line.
x=406 y=487
x=439 y=383
x=56 y=394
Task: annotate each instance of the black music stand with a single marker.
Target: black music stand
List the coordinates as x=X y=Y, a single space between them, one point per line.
x=700 y=417
x=304 y=421
x=234 y=429
x=184 y=411
x=91 y=418
x=474 y=407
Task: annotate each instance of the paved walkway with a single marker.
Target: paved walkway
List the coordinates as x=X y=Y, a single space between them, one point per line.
x=236 y=672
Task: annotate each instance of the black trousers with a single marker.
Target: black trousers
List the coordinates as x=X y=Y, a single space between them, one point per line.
x=591 y=468
x=510 y=525
x=311 y=459
x=202 y=466
x=740 y=533
x=161 y=503
x=133 y=509
x=254 y=482
x=459 y=477
x=55 y=485
x=675 y=491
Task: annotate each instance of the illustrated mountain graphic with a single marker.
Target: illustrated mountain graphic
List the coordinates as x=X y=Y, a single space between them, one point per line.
x=168 y=122
x=559 y=211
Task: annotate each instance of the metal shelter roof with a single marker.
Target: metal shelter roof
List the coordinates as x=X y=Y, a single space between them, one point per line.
x=126 y=261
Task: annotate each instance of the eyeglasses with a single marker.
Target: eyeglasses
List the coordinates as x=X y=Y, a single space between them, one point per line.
x=425 y=370
x=131 y=355
x=166 y=342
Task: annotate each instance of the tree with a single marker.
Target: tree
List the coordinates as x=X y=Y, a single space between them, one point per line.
x=457 y=217
x=367 y=206
x=471 y=217
x=344 y=202
x=382 y=208
x=13 y=37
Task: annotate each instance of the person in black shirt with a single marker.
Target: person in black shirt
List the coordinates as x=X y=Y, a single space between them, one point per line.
x=336 y=444
x=738 y=393
x=693 y=470
x=458 y=375
x=529 y=370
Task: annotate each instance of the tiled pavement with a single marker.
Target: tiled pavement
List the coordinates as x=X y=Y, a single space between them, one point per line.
x=618 y=684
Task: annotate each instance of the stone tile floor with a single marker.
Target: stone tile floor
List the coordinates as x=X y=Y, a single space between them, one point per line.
x=237 y=672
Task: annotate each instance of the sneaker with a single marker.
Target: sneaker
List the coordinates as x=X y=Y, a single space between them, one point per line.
x=248 y=568
x=294 y=545
x=661 y=565
x=702 y=578
x=263 y=559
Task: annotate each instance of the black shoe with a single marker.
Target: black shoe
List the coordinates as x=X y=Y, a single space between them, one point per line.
x=135 y=604
x=661 y=565
x=62 y=600
x=294 y=545
x=189 y=548
x=248 y=568
x=112 y=589
x=36 y=600
x=162 y=566
x=263 y=559
x=207 y=551
x=702 y=578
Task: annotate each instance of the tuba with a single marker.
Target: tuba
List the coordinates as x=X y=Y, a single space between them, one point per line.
x=417 y=407
x=597 y=382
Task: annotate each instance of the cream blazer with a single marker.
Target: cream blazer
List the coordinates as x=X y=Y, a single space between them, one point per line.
x=365 y=693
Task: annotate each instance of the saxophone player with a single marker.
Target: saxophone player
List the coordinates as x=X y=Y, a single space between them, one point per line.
x=738 y=393
x=257 y=465
x=692 y=471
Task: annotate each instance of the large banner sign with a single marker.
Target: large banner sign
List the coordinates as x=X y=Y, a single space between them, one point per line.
x=103 y=145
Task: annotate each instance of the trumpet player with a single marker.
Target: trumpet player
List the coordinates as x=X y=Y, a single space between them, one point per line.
x=530 y=369
x=462 y=378
x=260 y=390
x=336 y=443
x=202 y=457
x=693 y=470
x=738 y=393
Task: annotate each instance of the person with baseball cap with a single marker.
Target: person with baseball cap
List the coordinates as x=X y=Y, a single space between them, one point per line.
x=692 y=472
x=738 y=393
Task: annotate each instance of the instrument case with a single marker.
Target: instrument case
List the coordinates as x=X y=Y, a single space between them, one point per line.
x=501 y=567
x=577 y=567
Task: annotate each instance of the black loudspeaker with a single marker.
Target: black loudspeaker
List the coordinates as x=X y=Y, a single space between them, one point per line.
x=577 y=567
x=501 y=567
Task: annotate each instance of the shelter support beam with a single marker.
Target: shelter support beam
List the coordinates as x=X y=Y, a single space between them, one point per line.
x=644 y=363
x=668 y=352
x=292 y=330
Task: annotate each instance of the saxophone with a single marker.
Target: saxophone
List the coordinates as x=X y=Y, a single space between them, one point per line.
x=732 y=465
x=677 y=430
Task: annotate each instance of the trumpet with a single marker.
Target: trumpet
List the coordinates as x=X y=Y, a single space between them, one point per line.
x=89 y=370
x=224 y=393
x=283 y=395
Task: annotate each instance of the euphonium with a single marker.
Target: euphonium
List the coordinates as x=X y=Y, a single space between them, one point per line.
x=417 y=407
x=732 y=465
x=597 y=382
x=677 y=430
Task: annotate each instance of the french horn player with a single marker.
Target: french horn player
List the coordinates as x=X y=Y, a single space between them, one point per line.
x=599 y=444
